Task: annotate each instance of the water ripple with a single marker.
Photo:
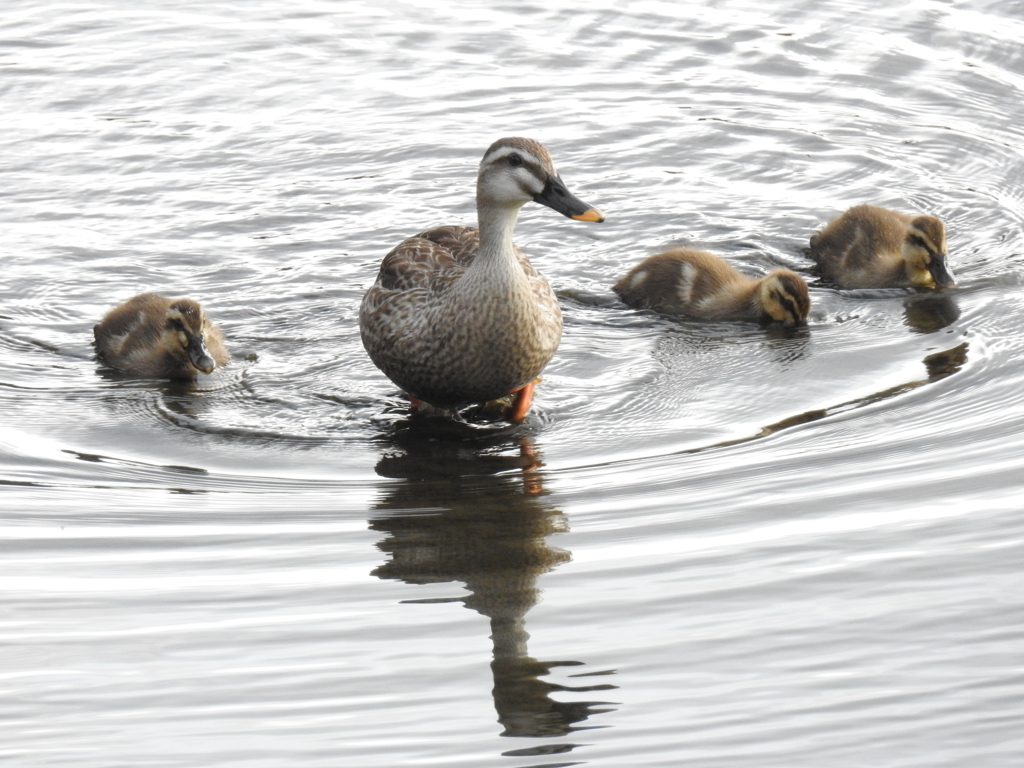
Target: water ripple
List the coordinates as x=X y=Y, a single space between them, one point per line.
x=733 y=545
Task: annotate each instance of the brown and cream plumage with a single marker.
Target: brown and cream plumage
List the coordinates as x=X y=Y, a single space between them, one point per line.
x=458 y=315
x=156 y=337
x=698 y=284
x=873 y=247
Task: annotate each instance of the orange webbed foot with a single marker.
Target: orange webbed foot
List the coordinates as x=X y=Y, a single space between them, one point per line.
x=521 y=404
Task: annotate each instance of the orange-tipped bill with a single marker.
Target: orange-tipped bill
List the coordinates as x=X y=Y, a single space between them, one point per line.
x=591 y=215
x=557 y=197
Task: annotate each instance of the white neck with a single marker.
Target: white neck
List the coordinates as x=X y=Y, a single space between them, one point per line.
x=496 y=263
x=496 y=226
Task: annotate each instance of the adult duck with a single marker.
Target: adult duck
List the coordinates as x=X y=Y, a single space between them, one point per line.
x=458 y=315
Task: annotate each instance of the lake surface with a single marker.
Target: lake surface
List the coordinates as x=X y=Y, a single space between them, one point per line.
x=710 y=545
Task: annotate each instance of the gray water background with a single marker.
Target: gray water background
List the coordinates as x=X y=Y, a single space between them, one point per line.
x=711 y=545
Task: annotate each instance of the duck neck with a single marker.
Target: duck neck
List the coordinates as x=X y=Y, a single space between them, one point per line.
x=751 y=296
x=496 y=227
x=495 y=271
x=758 y=293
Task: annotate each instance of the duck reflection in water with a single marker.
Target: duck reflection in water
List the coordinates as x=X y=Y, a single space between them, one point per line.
x=787 y=345
x=744 y=344
x=489 y=532
x=928 y=313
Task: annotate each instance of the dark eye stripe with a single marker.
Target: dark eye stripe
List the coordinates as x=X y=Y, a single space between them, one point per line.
x=920 y=243
x=536 y=170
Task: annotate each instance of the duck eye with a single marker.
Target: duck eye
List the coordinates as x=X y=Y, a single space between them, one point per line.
x=919 y=242
x=515 y=160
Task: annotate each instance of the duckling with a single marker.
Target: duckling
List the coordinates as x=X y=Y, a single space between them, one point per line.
x=458 y=315
x=872 y=247
x=698 y=284
x=156 y=337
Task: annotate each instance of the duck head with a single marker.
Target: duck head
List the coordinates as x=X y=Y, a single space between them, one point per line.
x=784 y=297
x=185 y=330
x=924 y=253
x=515 y=171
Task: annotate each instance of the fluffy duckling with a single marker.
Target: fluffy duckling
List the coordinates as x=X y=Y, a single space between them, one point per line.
x=700 y=285
x=872 y=247
x=156 y=337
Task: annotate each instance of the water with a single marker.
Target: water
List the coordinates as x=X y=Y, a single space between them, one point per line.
x=711 y=545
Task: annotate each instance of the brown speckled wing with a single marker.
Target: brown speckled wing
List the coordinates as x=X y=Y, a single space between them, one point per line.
x=428 y=260
x=461 y=243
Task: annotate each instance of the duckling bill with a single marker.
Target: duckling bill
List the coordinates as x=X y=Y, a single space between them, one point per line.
x=157 y=337
x=873 y=247
x=700 y=285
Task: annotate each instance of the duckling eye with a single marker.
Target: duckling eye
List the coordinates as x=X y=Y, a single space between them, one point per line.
x=515 y=160
x=175 y=324
x=920 y=243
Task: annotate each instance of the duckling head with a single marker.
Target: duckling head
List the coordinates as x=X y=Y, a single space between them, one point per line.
x=784 y=298
x=185 y=330
x=515 y=171
x=924 y=253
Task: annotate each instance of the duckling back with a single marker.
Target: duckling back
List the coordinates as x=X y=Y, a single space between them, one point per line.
x=682 y=281
x=156 y=337
x=698 y=284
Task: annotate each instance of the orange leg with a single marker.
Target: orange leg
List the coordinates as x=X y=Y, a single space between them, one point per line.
x=521 y=405
x=414 y=403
